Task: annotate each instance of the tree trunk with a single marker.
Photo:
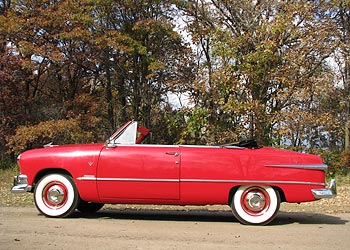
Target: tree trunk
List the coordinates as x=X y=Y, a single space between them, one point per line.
x=347 y=139
x=109 y=96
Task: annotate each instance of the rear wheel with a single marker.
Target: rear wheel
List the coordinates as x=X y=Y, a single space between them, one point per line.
x=56 y=195
x=89 y=207
x=255 y=205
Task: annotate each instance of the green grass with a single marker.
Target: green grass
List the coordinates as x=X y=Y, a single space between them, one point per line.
x=343 y=180
x=6 y=197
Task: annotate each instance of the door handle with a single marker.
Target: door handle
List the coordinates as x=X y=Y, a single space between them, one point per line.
x=172 y=153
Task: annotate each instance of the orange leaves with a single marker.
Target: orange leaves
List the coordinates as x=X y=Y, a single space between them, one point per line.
x=55 y=131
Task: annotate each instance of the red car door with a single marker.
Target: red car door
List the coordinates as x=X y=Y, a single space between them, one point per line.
x=129 y=172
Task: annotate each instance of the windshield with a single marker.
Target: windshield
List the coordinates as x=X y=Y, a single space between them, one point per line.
x=129 y=133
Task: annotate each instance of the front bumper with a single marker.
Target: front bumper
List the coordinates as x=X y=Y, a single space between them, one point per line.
x=20 y=184
x=329 y=192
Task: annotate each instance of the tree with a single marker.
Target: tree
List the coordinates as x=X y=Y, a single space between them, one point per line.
x=339 y=12
x=258 y=54
x=101 y=61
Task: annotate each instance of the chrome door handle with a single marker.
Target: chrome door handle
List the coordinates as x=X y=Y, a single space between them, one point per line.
x=172 y=153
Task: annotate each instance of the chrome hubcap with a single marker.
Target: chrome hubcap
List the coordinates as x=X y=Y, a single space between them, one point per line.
x=255 y=201
x=55 y=194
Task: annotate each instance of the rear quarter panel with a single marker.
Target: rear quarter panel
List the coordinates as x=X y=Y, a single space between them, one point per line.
x=208 y=174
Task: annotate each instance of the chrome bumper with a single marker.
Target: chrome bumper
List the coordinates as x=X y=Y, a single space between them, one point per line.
x=329 y=192
x=20 y=184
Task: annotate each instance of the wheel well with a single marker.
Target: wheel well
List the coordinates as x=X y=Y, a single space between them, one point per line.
x=44 y=172
x=234 y=189
x=280 y=191
x=232 y=192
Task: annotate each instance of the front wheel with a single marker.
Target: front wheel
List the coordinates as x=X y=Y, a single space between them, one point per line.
x=56 y=195
x=255 y=205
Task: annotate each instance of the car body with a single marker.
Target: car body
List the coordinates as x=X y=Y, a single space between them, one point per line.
x=252 y=180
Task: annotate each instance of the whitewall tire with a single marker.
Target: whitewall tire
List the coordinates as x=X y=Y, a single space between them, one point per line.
x=255 y=205
x=55 y=195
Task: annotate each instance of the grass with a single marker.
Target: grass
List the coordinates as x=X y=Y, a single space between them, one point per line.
x=6 y=197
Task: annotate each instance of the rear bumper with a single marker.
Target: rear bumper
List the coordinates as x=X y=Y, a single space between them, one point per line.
x=329 y=192
x=20 y=184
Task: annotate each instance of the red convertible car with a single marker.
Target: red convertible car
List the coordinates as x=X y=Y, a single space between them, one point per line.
x=252 y=180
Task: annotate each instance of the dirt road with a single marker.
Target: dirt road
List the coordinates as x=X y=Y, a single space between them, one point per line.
x=24 y=228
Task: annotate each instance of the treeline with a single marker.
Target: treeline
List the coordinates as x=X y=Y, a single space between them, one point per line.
x=194 y=71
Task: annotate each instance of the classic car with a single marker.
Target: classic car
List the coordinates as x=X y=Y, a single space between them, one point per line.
x=252 y=180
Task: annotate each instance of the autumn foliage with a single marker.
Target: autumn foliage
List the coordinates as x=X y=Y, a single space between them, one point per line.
x=203 y=72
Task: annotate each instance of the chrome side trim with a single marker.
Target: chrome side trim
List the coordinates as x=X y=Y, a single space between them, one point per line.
x=329 y=192
x=302 y=166
x=137 y=179
x=93 y=178
x=255 y=181
x=87 y=178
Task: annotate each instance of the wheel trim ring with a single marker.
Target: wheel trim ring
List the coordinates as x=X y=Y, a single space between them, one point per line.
x=255 y=191
x=261 y=219
x=46 y=195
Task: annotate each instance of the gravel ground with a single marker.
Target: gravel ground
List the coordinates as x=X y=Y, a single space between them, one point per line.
x=325 y=223
x=23 y=228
